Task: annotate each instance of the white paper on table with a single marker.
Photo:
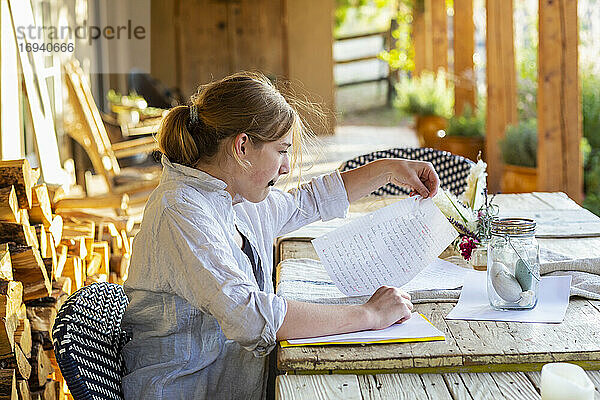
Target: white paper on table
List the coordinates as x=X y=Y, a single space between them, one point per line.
x=414 y=329
x=389 y=246
x=440 y=274
x=473 y=304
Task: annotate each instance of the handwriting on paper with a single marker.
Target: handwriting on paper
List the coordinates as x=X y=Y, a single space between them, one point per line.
x=387 y=247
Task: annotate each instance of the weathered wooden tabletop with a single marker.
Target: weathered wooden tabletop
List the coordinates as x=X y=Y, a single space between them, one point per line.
x=464 y=386
x=470 y=346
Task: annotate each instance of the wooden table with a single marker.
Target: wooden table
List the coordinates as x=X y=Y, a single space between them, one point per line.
x=467 y=386
x=470 y=346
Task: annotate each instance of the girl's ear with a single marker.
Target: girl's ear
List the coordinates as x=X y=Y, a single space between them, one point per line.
x=240 y=145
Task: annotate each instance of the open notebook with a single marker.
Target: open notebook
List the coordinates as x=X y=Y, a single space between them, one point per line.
x=416 y=329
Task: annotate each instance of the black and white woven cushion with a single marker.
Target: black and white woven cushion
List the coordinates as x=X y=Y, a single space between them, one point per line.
x=88 y=340
x=453 y=170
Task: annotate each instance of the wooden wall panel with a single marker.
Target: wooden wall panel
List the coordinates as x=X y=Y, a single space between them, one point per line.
x=310 y=51
x=464 y=47
x=162 y=42
x=203 y=49
x=217 y=38
x=501 y=83
x=559 y=111
x=256 y=32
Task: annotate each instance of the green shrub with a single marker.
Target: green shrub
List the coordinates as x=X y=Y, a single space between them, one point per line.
x=519 y=146
x=467 y=124
x=590 y=108
x=428 y=94
x=592 y=184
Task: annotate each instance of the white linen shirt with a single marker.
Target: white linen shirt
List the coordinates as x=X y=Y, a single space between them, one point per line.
x=200 y=325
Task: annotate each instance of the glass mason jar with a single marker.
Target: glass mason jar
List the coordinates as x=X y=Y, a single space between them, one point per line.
x=513 y=269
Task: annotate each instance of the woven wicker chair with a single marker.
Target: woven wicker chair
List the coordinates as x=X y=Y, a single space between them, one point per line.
x=453 y=170
x=88 y=340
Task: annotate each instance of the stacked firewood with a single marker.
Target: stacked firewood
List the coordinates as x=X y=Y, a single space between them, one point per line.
x=45 y=255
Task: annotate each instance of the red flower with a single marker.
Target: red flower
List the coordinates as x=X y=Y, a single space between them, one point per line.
x=466 y=246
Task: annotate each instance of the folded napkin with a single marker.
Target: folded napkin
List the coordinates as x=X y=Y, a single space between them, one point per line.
x=584 y=272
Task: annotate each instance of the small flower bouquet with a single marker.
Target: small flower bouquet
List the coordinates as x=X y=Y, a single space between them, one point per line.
x=470 y=213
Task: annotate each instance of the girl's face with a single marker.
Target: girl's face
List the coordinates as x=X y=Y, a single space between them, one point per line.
x=268 y=161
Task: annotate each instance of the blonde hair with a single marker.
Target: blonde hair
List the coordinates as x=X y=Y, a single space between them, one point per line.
x=245 y=102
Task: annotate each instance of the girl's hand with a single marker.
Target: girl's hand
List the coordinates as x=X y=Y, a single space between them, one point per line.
x=387 y=306
x=418 y=175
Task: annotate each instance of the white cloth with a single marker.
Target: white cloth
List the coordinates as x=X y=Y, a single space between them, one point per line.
x=584 y=272
x=198 y=320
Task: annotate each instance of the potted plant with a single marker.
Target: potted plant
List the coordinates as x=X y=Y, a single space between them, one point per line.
x=519 y=152
x=465 y=135
x=430 y=100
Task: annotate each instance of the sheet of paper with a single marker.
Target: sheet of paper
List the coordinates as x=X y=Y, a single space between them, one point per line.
x=439 y=274
x=473 y=303
x=415 y=328
x=389 y=246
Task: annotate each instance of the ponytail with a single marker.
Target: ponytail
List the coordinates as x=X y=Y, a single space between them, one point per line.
x=174 y=139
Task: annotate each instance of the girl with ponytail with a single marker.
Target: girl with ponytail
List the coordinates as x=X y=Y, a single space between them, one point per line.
x=202 y=313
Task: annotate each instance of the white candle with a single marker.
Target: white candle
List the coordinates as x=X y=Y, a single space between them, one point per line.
x=565 y=381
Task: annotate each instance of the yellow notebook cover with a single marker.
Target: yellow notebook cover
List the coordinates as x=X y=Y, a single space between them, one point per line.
x=416 y=329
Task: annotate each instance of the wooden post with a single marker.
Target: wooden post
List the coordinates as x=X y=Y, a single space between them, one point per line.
x=439 y=34
x=464 y=47
x=419 y=38
x=430 y=35
x=559 y=110
x=11 y=138
x=501 y=84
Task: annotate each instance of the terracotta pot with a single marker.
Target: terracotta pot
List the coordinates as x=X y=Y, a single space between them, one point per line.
x=468 y=147
x=516 y=179
x=427 y=127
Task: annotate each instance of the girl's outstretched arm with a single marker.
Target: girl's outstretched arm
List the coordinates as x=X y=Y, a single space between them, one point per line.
x=418 y=175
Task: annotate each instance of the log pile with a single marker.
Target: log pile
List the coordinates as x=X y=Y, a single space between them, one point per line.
x=45 y=255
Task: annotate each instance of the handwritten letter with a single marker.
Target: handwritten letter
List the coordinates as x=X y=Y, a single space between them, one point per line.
x=389 y=246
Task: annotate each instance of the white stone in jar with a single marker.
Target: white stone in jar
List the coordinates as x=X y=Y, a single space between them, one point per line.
x=504 y=283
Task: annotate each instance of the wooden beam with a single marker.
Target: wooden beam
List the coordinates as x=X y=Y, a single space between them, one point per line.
x=464 y=47
x=560 y=164
x=11 y=137
x=501 y=84
x=419 y=39
x=439 y=34
x=37 y=98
